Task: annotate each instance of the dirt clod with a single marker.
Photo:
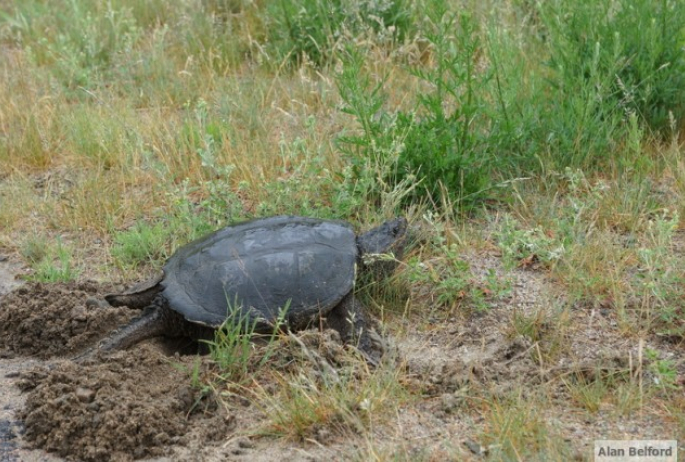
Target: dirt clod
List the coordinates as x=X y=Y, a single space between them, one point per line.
x=131 y=406
x=47 y=320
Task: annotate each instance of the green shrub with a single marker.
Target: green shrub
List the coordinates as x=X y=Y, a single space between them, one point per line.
x=572 y=82
x=619 y=56
x=445 y=143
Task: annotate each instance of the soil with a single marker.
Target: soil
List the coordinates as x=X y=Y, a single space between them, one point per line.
x=56 y=320
x=139 y=404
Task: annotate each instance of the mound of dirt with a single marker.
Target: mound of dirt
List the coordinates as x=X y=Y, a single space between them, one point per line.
x=46 y=320
x=137 y=404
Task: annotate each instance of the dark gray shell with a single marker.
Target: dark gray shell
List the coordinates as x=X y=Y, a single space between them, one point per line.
x=262 y=266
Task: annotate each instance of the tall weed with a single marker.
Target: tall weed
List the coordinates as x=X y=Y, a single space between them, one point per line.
x=444 y=143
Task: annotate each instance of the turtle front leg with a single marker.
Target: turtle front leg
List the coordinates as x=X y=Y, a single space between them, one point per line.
x=350 y=320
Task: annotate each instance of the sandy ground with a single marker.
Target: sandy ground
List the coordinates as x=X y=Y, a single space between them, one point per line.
x=139 y=405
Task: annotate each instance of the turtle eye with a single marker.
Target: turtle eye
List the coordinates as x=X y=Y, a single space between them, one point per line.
x=397 y=227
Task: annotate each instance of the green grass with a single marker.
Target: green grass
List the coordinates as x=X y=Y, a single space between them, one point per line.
x=50 y=262
x=543 y=137
x=232 y=347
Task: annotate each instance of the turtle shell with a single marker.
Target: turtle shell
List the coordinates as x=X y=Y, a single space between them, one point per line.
x=263 y=266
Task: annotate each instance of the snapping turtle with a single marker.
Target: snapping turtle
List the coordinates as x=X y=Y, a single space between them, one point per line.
x=304 y=266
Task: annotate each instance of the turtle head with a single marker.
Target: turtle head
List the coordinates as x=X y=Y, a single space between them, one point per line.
x=383 y=246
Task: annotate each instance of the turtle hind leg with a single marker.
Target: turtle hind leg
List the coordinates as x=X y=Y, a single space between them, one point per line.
x=157 y=319
x=350 y=320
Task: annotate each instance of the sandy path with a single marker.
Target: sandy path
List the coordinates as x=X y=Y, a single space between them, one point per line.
x=11 y=401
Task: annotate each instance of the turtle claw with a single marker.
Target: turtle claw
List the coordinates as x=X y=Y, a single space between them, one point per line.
x=94 y=302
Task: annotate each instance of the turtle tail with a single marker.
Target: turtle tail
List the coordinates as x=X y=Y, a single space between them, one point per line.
x=138 y=296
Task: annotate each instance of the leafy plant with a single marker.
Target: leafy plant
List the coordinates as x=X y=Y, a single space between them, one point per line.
x=444 y=143
x=373 y=152
x=521 y=245
x=664 y=371
x=451 y=281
